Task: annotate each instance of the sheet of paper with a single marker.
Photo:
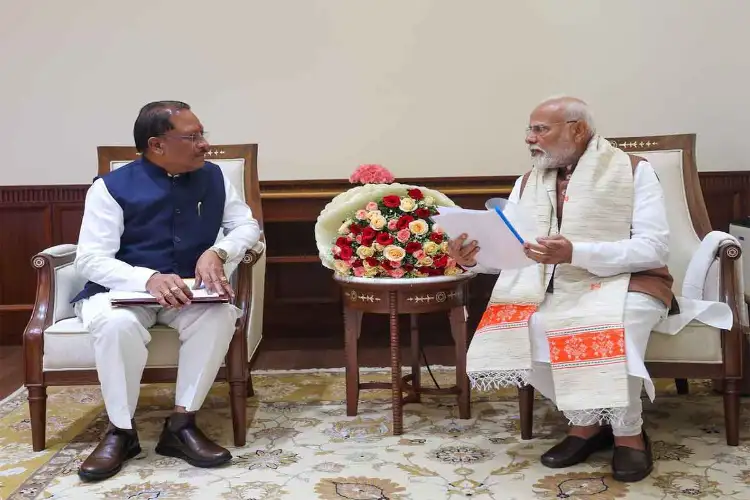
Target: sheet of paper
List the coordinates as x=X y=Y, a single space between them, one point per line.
x=499 y=247
x=199 y=293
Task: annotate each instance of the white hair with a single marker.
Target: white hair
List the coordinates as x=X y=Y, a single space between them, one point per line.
x=574 y=109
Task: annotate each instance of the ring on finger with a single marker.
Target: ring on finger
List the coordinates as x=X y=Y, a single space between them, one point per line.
x=223 y=279
x=174 y=289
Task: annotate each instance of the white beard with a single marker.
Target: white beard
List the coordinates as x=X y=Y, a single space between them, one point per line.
x=546 y=160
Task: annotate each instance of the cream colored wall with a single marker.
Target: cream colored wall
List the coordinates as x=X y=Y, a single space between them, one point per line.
x=425 y=87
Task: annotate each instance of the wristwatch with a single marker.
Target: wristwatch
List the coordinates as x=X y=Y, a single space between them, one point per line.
x=220 y=252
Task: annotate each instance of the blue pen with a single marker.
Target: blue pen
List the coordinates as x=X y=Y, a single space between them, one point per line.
x=507 y=223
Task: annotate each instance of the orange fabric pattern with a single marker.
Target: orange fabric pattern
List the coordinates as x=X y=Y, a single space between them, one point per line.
x=500 y=316
x=600 y=344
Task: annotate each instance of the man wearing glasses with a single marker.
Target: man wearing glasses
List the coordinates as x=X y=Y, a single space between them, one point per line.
x=146 y=226
x=576 y=322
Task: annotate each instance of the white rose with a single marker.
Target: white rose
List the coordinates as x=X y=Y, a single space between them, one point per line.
x=428 y=201
x=418 y=227
x=341 y=266
x=344 y=229
x=408 y=205
x=364 y=252
x=378 y=222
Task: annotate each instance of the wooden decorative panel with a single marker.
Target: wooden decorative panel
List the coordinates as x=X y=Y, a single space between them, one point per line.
x=301 y=300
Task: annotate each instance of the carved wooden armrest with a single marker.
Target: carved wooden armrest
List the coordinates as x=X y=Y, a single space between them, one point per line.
x=45 y=263
x=245 y=278
x=730 y=292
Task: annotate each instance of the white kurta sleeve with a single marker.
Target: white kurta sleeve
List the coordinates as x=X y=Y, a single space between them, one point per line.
x=514 y=197
x=648 y=246
x=99 y=241
x=241 y=230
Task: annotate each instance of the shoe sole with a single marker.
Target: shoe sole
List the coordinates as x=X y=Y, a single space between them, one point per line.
x=632 y=478
x=565 y=465
x=96 y=476
x=205 y=464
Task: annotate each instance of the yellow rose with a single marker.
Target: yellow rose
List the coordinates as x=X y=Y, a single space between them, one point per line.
x=394 y=253
x=428 y=201
x=408 y=204
x=378 y=222
x=444 y=247
x=373 y=213
x=364 y=252
x=341 y=267
x=378 y=247
x=344 y=229
x=418 y=227
x=371 y=272
x=425 y=261
x=451 y=271
x=430 y=248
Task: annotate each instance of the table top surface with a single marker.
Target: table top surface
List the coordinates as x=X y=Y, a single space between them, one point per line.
x=441 y=280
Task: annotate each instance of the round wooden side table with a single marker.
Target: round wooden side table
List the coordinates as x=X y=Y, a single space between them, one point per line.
x=413 y=296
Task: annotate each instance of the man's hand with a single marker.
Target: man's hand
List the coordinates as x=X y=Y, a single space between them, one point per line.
x=464 y=255
x=551 y=250
x=209 y=270
x=169 y=290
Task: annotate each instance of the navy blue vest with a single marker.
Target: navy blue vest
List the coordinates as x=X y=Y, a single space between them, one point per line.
x=169 y=221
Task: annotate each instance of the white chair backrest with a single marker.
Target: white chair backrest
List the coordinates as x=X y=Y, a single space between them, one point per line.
x=672 y=159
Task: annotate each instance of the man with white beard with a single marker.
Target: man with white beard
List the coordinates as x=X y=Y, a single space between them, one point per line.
x=576 y=325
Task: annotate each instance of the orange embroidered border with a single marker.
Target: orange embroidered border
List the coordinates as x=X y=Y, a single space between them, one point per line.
x=601 y=344
x=502 y=316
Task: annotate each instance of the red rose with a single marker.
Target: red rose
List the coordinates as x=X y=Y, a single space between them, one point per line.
x=403 y=221
x=357 y=263
x=422 y=213
x=412 y=247
x=391 y=201
x=408 y=267
x=386 y=264
x=372 y=261
x=384 y=239
x=346 y=253
x=437 y=238
x=368 y=233
x=440 y=262
x=416 y=194
x=430 y=271
x=342 y=242
x=355 y=229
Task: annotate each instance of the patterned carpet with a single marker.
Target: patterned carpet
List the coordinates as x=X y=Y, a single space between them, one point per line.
x=302 y=446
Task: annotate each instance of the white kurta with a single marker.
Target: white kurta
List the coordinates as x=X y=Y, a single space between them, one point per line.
x=120 y=335
x=647 y=248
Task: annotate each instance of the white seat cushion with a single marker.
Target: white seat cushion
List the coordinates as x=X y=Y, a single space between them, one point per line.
x=696 y=343
x=68 y=346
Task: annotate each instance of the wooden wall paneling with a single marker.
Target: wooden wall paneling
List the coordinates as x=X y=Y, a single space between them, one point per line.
x=302 y=303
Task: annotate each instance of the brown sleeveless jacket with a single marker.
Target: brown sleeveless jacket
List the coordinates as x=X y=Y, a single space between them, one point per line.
x=654 y=282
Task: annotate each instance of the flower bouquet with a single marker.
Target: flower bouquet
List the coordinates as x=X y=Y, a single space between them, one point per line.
x=383 y=229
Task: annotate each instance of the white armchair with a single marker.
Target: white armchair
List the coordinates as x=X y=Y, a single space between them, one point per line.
x=698 y=351
x=58 y=350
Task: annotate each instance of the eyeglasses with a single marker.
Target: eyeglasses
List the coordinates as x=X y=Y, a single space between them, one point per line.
x=544 y=129
x=194 y=138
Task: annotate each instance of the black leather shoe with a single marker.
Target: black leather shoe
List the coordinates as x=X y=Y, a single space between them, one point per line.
x=573 y=449
x=117 y=446
x=630 y=465
x=180 y=438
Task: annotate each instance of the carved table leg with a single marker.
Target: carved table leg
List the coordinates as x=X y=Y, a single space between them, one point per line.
x=458 y=329
x=398 y=413
x=416 y=368
x=352 y=323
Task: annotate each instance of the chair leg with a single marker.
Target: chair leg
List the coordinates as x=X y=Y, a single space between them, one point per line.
x=38 y=416
x=526 y=410
x=238 y=398
x=250 y=390
x=732 y=411
x=683 y=388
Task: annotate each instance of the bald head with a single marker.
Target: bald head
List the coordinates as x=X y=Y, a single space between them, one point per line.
x=560 y=128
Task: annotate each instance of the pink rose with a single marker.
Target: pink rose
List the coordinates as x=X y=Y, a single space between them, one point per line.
x=393 y=224
x=359 y=239
x=419 y=254
x=361 y=214
x=397 y=273
x=371 y=206
x=371 y=174
x=359 y=271
x=403 y=235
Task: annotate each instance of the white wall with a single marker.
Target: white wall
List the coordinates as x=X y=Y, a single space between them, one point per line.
x=426 y=87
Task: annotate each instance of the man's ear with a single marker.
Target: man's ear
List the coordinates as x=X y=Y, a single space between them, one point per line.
x=580 y=131
x=156 y=146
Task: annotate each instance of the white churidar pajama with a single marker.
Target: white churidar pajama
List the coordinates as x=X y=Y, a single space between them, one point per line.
x=647 y=248
x=120 y=335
